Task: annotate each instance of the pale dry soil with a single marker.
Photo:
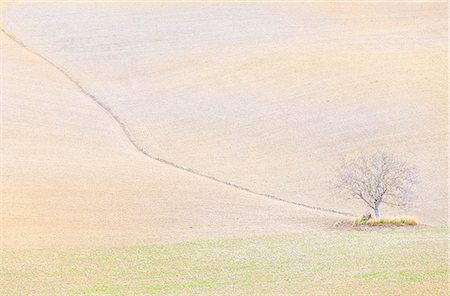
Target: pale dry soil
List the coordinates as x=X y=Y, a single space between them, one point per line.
x=270 y=96
x=70 y=177
x=385 y=262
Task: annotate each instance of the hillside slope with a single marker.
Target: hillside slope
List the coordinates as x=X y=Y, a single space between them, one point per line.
x=71 y=177
x=269 y=97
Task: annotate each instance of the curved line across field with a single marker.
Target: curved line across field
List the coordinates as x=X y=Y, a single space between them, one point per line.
x=143 y=151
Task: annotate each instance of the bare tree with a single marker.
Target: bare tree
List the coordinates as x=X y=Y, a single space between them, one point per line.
x=376 y=179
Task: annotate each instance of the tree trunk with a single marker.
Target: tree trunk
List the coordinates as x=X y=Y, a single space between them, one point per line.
x=376 y=211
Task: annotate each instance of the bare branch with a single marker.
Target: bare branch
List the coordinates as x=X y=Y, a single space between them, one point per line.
x=376 y=179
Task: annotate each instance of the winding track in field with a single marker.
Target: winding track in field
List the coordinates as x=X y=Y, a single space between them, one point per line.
x=143 y=151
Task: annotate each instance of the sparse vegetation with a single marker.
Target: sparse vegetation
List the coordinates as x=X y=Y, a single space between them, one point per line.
x=397 y=221
x=313 y=263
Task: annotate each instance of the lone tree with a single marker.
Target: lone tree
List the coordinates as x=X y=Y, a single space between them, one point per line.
x=376 y=179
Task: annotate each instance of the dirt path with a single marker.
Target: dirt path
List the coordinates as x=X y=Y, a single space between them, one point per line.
x=143 y=151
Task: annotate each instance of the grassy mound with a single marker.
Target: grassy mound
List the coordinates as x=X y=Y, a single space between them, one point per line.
x=397 y=221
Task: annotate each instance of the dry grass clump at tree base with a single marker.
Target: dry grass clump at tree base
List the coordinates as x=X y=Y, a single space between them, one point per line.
x=399 y=221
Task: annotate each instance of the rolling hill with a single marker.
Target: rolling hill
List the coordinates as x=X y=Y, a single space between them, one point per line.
x=264 y=98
